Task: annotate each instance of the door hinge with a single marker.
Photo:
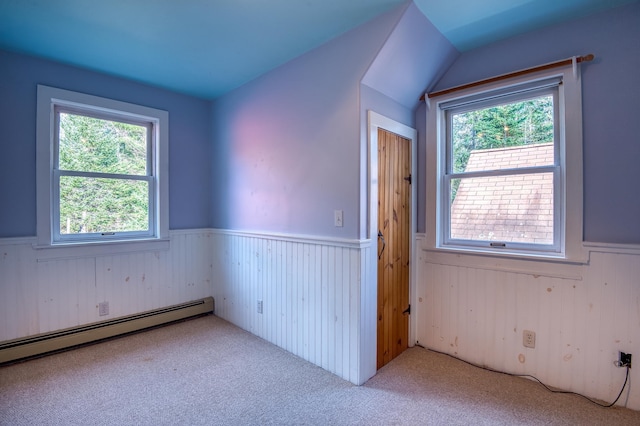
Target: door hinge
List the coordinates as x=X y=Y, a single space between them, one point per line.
x=408 y=179
x=407 y=311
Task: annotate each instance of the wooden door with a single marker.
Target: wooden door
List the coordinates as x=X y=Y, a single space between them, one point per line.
x=394 y=207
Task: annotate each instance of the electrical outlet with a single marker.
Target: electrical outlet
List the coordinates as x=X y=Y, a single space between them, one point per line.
x=259 y=306
x=529 y=339
x=103 y=309
x=625 y=360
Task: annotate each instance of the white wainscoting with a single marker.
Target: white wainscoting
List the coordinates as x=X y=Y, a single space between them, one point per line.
x=318 y=300
x=583 y=315
x=40 y=293
x=315 y=298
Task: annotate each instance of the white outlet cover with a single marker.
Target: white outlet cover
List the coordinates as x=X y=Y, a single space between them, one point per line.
x=103 y=309
x=529 y=339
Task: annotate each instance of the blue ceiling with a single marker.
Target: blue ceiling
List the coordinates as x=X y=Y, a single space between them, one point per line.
x=206 y=48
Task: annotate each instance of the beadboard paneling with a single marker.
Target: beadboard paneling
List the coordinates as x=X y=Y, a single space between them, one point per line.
x=47 y=294
x=583 y=315
x=312 y=294
x=319 y=302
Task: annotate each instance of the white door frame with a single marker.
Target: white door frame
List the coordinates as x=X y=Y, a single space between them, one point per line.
x=375 y=122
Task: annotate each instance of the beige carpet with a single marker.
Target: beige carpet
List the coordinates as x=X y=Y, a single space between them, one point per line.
x=207 y=371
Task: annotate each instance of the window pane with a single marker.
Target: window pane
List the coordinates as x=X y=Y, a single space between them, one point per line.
x=512 y=208
x=487 y=131
x=90 y=144
x=96 y=205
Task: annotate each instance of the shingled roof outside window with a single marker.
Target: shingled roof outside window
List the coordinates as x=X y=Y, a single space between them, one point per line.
x=513 y=208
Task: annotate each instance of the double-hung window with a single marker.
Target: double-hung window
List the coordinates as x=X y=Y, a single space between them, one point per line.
x=507 y=162
x=102 y=170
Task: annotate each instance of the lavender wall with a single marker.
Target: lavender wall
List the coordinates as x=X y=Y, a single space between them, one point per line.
x=288 y=148
x=611 y=89
x=411 y=60
x=287 y=145
x=189 y=139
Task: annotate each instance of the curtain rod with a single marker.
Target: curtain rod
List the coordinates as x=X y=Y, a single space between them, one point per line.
x=525 y=71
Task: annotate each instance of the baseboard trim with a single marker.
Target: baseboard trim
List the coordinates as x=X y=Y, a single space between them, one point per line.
x=13 y=350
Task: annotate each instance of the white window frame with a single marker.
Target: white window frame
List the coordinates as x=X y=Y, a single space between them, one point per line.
x=568 y=194
x=49 y=100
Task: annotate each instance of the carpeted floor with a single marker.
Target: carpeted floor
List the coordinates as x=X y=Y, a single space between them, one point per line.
x=207 y=371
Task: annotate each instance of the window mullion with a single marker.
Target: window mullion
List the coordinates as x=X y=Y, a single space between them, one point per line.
x=98 y=175
x=503 y=172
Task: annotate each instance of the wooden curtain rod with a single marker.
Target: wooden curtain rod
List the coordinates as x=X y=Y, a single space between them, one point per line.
x=556 y=64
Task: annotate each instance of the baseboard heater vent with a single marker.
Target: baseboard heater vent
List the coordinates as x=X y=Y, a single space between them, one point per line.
x=12 y=350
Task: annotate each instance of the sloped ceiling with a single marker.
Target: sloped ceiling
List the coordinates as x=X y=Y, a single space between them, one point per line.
x=398 y=71
x=206 y=48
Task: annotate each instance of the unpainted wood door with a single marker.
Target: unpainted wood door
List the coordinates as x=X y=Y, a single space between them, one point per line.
x=394 y=207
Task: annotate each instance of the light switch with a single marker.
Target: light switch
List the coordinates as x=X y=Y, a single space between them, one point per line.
x=337 y=218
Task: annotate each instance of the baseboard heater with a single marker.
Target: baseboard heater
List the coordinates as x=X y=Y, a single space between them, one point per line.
x=12 y=350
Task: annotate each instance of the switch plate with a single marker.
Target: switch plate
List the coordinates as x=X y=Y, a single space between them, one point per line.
x=337 y=218
x=259 y=306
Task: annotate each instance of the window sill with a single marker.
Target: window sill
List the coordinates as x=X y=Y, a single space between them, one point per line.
x=98 y=248
x=530 y=264
x=545 y=256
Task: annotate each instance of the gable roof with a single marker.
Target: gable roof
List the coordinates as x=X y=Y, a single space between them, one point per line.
x=516 y=208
